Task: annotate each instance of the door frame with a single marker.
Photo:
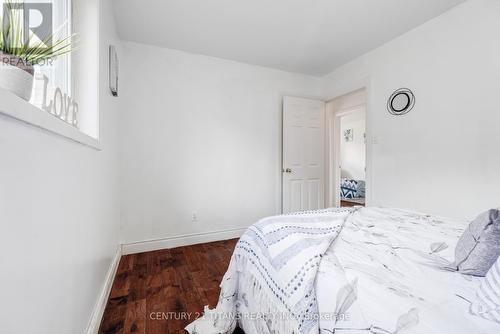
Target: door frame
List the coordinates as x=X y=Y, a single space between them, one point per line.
x=332 y=155
x=332 y=130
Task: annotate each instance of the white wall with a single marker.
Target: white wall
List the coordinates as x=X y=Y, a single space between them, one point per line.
x=443 y=156
x=199 y=135
x=59 y=222
x=353 y=153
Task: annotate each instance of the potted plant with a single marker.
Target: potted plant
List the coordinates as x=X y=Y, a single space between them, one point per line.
x=19 y=54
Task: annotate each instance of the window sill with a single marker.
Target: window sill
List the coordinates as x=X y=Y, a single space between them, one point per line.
x=15 y=107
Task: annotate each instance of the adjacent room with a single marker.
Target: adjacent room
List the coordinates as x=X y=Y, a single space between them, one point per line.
x=249 y=167
x=353 y=155
x=346 y=123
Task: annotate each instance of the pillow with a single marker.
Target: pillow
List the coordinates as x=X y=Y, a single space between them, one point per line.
x=348 y=188
x=479 y=246
x=487 y=303
x=360 y=192
x=352 y=189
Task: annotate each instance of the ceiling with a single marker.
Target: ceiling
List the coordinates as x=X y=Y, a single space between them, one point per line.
x=306 y=36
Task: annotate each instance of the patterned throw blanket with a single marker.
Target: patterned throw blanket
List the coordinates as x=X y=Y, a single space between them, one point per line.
x=279 y=257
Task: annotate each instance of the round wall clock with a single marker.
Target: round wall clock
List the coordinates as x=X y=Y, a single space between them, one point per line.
x=401 y=102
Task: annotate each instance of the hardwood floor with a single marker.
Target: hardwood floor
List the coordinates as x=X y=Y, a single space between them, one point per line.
x=161 y=292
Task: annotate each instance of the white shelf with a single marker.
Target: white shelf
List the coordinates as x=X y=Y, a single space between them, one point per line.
x=15 y=107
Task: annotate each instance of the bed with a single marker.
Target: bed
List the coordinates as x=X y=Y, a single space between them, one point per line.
x=354 y=270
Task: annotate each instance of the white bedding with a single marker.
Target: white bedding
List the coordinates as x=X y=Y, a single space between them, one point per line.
x=272 y=275
x=398 y=260
x=388 y=271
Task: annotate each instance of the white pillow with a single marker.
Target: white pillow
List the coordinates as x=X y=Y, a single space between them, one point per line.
x=487 y=304
x=478 y=247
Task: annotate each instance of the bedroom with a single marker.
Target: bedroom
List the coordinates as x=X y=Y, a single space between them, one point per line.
x=126 y=223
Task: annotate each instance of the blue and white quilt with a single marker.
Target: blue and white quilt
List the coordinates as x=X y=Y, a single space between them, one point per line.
x=273 y=269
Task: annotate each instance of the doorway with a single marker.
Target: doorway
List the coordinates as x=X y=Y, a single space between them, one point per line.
x=324 y=152
x=346 y=150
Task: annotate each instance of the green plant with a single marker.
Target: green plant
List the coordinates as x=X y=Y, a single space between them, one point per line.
x=12 y=40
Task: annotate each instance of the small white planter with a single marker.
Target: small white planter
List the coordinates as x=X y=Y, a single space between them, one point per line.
x=15 y=79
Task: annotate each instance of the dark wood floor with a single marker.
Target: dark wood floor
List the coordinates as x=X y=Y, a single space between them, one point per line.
x=161 y=292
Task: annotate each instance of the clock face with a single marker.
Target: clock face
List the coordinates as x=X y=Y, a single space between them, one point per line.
x=401 y=102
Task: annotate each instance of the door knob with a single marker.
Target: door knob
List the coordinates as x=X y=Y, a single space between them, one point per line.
x=288 y=170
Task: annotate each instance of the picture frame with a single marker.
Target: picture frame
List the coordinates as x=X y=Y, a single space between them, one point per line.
x=349 y=135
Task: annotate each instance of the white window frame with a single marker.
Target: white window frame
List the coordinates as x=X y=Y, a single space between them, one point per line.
x=63 y=14
x=21 y=110
x=59 y=75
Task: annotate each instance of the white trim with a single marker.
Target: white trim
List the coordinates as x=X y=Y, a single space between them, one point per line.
x=99 y=68
x=21 y=110
x=181 y=240
x=351 y=110
x=97 y=314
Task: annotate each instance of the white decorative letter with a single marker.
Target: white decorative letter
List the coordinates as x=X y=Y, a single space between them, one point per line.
x=75 y=114
x=58 y=103
x=67 y=104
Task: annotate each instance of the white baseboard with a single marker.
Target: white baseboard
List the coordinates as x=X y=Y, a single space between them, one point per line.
x=181 y=240
x=95 y=320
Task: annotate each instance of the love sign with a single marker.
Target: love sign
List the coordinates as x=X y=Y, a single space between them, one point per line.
x=60 y=105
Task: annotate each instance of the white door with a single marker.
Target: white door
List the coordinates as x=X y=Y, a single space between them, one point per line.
x=303 y=154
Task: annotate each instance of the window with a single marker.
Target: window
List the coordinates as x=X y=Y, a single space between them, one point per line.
x=59 y=70
x=76 y=74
